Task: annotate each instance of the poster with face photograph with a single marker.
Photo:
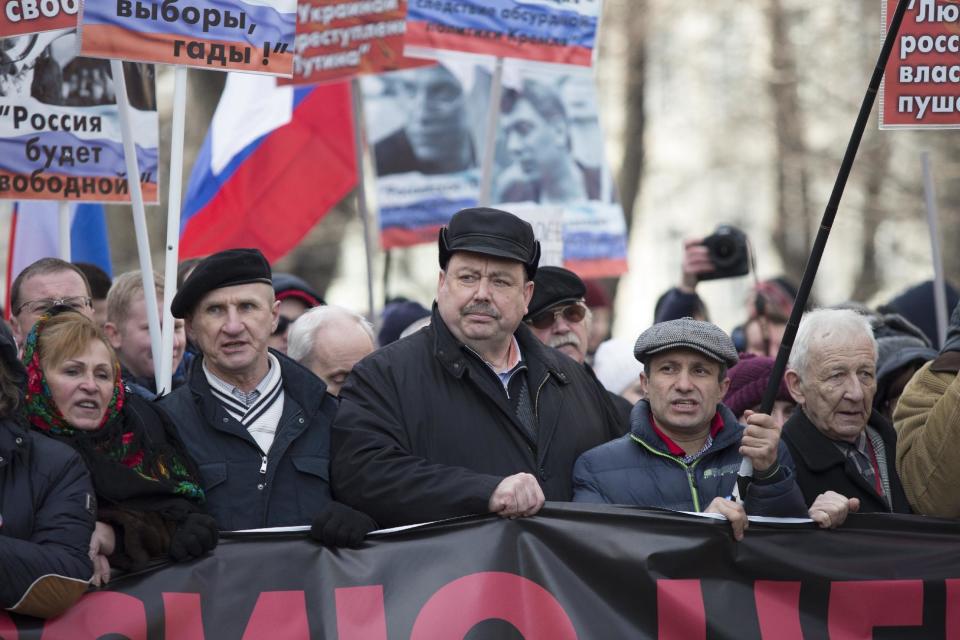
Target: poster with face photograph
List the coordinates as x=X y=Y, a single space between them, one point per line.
x=425 y=126
x=550 y=157
x=60 y=126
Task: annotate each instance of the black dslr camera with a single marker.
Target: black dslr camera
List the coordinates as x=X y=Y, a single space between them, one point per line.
x=729 y=253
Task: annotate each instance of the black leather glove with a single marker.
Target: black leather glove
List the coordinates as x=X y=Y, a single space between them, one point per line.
x=341 y=526
x=195 y=535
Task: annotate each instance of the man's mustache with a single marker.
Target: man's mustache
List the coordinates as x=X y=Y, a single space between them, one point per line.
x=480 y=309
x=569 y=337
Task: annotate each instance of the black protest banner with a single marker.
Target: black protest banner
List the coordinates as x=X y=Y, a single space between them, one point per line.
x=573 y=572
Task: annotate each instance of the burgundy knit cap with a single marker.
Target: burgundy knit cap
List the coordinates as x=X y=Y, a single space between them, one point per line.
x=748 y=381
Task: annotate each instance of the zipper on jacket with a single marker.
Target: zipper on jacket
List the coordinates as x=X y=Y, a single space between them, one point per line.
x=536 y=398
x=263 y=473
x=688 y=469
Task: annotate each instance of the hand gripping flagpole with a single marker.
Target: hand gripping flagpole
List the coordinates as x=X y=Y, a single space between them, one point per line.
x=826 y=224
x=139 y=217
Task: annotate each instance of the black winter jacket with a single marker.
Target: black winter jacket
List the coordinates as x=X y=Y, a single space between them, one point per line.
x=47 y=508
x=245 y=488
x=822 y=467
x=425 y=430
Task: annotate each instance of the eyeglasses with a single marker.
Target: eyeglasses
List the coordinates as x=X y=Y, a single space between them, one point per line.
x=572 y=313
x=43 y=305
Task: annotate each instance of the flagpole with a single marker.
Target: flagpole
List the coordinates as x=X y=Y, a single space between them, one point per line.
x=826 y=224
x=939 y=281
x=63 y=210
x=172 y=248
x=359 y=138
x=139 y=215
x=490 y=135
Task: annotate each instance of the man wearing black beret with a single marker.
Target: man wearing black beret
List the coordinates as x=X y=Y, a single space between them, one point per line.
x=256 y=422
x=560 y=318
x=471 y=414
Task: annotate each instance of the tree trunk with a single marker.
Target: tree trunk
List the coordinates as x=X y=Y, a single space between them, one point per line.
x=634 y=17
x=791 y=232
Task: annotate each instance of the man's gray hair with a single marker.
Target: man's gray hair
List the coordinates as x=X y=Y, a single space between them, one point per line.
x=835 y=325
x=303 y=331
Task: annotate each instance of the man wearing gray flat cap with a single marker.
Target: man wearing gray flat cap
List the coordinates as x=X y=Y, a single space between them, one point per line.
x=684 y=447
x=471 y=414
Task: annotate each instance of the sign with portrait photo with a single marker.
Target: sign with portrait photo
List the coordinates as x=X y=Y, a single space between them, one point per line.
x=550 y=156
x=60 y=125
x=422 y=124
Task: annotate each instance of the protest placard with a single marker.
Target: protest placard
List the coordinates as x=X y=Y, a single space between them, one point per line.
x=921 y=82
x=20 y=17
x=240 y=35
x=550 y=156
x=60 y=135
x=340 y=38
x=426 y=145
x=559 y=31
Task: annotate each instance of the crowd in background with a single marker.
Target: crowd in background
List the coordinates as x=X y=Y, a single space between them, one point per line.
x=504 y=393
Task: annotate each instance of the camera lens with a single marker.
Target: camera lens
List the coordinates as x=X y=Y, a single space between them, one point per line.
x=725 y=252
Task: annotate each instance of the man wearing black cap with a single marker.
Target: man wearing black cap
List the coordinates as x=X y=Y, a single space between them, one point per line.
x=559 y=317
x=685 y=447
x=256 y=422
x=471 y=414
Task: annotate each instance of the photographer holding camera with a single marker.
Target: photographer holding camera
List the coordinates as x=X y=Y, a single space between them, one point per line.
x=726 y=254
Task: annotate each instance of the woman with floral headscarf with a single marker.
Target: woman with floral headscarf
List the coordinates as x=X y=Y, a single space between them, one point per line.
x=149 y=502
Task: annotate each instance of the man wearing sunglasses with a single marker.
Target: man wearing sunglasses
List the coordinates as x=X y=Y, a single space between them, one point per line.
x=471 y=414
x=558 y=315
x=41 y=286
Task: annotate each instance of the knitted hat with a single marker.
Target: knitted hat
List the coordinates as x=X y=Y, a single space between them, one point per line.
x=396 y=317
x=899 y=343
x=748 y=381
x=615 y=366
x=287 y=285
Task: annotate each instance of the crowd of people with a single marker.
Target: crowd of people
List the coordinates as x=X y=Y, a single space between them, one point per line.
x=287 y=411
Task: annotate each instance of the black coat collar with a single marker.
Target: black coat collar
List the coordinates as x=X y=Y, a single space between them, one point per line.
x=819 y=452
x=456 y=357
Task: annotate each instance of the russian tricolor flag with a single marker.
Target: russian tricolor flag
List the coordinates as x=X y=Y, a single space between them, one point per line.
x=275 y=160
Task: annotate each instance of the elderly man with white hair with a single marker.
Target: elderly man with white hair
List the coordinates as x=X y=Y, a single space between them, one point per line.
x=844 y=452
x=329 y=340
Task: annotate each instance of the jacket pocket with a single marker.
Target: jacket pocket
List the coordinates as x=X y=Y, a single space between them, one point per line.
x=314 y=466
x=312 y=486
